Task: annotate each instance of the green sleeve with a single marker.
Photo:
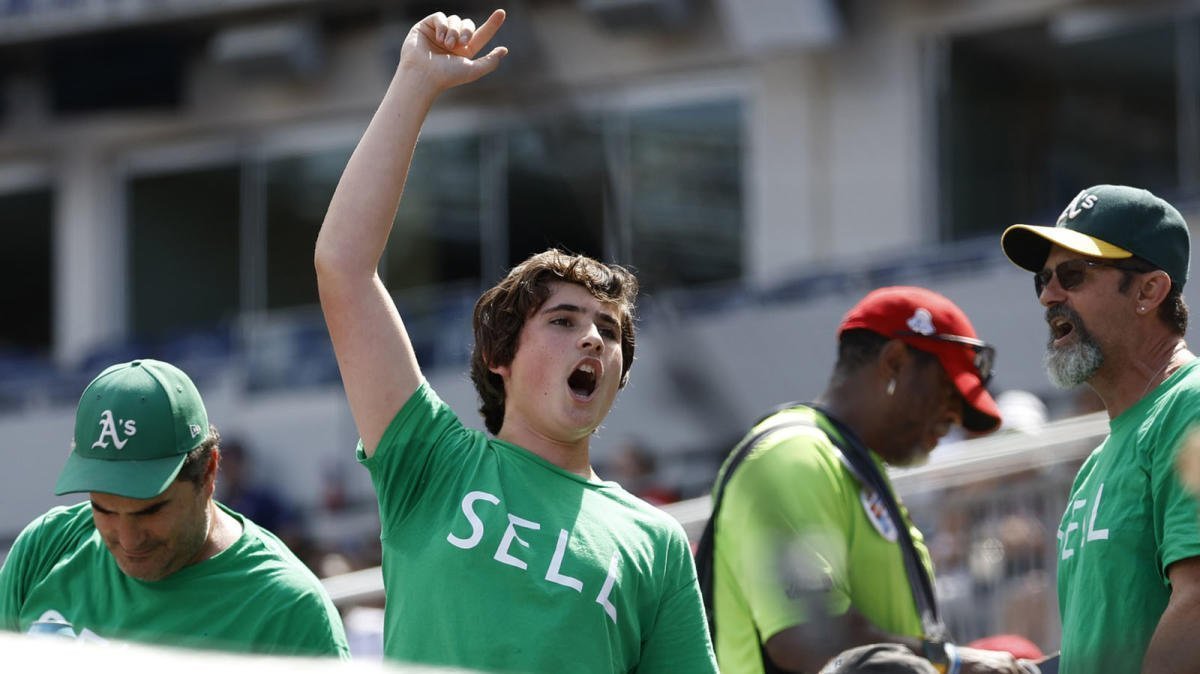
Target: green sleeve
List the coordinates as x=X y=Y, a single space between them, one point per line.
x=782 y=526
x=417 y=448
x=312 y=627
x=29 y=559
x=678 y=641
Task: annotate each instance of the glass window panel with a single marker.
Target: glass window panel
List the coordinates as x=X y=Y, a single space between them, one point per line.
x=183 y=241
x=26 y=219
x=1031 y=116
x=686 y=206
x=298 y=190
x=556 y=176
x=433 y=258
x=436 y=239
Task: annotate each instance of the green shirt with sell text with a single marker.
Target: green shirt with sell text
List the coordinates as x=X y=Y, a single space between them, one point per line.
x=497 y=560
x=1128 y=519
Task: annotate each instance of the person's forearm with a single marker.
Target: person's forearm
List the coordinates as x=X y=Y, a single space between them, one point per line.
x=806 y=648
x=360 y=215
x=1174 y=648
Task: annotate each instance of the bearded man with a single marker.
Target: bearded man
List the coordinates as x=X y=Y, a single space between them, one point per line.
x=1110 y=274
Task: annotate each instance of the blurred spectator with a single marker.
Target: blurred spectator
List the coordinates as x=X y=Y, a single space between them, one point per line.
x=1021 y=410
x=237 y=488
x=635 y=468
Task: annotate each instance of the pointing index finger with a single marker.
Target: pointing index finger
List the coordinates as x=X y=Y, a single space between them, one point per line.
x=487 y=31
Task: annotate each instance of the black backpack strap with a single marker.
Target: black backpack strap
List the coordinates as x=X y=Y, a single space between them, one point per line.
x=704 y=549
x=856 y=456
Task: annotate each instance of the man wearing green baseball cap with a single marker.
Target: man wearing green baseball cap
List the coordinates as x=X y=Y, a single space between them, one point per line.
x=151 y=557
x=1110 y=275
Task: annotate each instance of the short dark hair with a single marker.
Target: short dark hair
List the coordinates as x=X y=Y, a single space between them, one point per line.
x=858 y=347
x=501 y=312
x=196 y=462
x=1173 y=311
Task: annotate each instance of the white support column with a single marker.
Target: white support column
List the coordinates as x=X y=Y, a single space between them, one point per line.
x=787 y=205
x=90 y=270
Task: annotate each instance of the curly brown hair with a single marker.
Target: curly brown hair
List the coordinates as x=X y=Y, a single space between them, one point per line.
x=501 y=312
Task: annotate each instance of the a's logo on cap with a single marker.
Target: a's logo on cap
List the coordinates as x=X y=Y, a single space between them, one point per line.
x=921 y=322
x=108 y=429
x=1082 y=202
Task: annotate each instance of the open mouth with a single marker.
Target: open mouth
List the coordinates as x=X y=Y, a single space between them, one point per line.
x=1060 y=328
x=583 y=380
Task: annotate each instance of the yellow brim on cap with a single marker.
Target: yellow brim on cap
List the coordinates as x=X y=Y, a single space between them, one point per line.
x=1029 y=245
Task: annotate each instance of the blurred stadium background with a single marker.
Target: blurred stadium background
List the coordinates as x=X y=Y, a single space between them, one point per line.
x=165 y=166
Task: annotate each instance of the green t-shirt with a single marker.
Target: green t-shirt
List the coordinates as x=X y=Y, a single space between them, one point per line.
x=496 y=559
x=798 y=538
x=254 y=597
x=1127 y=520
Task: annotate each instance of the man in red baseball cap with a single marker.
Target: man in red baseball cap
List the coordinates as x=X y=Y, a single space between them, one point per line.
x=808 y=552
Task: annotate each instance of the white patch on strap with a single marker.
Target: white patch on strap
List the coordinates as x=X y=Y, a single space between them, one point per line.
x=877 y=513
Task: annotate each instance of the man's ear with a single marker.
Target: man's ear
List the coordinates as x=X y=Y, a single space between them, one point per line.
x=503 y=370
x=209 y=482
x=1153 y=289
x=892 y=359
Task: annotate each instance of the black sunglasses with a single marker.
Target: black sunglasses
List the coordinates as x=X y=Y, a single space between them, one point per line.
x=985 y=354
x=1073 y=272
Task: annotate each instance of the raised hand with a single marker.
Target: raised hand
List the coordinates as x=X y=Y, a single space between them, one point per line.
x=441 y=49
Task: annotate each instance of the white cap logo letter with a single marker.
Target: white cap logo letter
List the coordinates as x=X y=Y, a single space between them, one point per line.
x=108 y=429
x=1079 y=204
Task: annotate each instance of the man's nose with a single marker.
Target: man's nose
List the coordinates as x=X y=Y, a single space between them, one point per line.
x=129 y=535
x=591 y=338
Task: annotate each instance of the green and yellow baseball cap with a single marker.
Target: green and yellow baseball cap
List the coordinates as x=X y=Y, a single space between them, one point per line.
x=135 y=424
x=1113 y=222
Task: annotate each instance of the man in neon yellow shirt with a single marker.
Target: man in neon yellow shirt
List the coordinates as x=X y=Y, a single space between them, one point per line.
x=807 y=561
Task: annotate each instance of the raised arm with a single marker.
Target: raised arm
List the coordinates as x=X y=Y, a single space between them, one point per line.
x=378 y=366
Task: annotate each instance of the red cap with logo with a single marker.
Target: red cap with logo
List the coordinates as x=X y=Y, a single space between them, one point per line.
x=928 y=321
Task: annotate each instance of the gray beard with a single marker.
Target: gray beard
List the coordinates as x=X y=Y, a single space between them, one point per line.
x=1074 y=364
